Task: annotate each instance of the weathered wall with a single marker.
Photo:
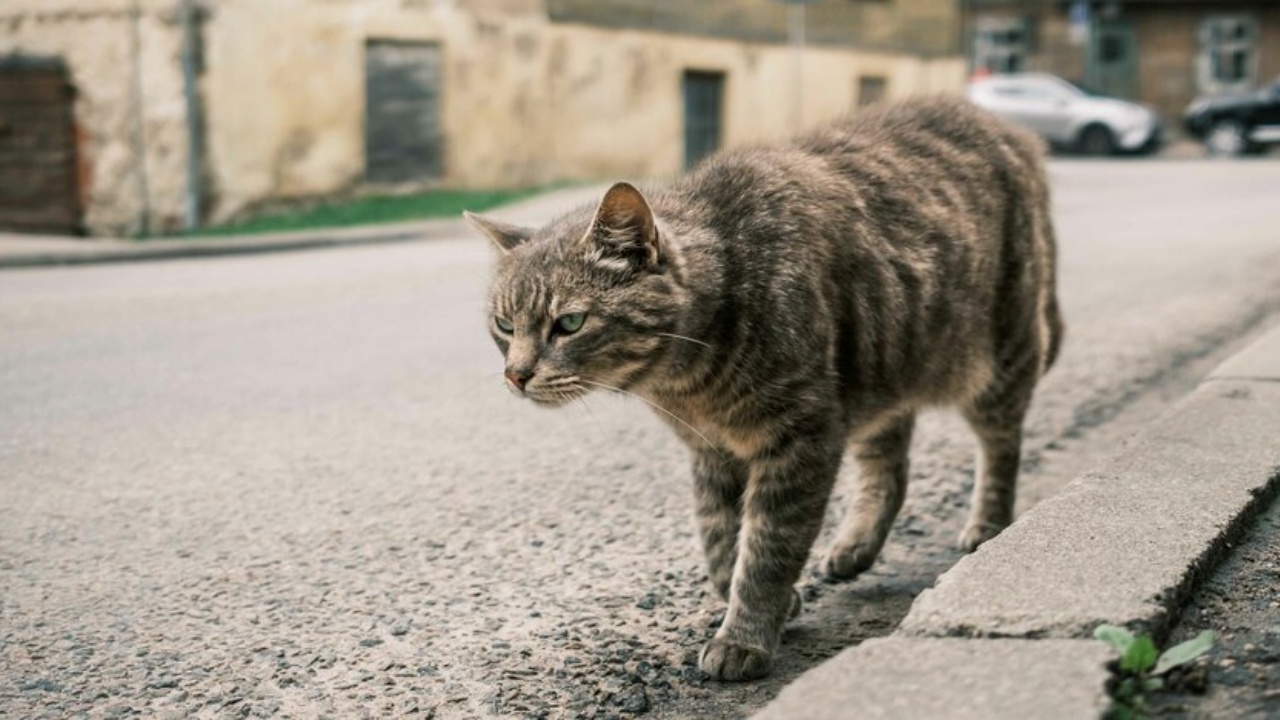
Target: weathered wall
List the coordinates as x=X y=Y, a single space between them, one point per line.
x=1169 y=45
x=526 y=101
x=925 y=27
x=96 y=41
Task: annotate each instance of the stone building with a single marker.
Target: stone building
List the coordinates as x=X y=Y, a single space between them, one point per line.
x=290 y=100
x=1161 y=52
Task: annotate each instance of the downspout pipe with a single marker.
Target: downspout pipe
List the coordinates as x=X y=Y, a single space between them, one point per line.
x=139 y=132
x=193 y=207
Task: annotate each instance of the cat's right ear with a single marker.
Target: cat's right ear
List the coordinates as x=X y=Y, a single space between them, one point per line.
x=504 y=235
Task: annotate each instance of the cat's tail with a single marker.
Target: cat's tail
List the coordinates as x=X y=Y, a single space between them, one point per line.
x=1035 y=182
x=1055 y=328
x=1052 y=327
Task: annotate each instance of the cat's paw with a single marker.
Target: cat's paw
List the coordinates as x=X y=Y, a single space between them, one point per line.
x=974 y=535
x=733 y=662
x=846 y=562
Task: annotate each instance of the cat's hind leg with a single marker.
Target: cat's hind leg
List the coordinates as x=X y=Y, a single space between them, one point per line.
x=996 y=418
x=882 y=487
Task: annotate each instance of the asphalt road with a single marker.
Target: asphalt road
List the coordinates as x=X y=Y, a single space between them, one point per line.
x=294 y=484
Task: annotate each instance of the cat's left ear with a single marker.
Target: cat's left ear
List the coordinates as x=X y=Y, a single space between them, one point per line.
x=504 y=235
x=624 y=227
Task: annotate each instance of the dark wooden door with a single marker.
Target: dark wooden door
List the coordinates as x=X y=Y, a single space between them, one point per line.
x=39 y=173
x=403 y=139
x=1113 y=59
x=703 y=114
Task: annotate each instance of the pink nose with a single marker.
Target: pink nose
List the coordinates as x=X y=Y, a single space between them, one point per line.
x=518 y=378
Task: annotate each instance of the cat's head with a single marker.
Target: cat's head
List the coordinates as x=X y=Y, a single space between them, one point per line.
x=583 y=302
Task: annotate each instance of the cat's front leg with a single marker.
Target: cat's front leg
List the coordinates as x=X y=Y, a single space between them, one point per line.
x=719 y=480
x=782 y=511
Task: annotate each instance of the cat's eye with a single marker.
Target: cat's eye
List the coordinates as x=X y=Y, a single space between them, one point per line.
x=503 y=324
x=571 y=323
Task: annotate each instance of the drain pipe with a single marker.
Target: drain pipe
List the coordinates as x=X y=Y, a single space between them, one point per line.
x=139 y=130
x=195 y=130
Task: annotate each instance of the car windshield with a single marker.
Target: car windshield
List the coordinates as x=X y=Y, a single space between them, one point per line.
x=1068 y=89
x=1036 y=87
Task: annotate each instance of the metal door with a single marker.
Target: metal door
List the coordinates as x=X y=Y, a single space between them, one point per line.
x=703 y=112
x=403 y=140
x=39 y=172
x=1113 y=54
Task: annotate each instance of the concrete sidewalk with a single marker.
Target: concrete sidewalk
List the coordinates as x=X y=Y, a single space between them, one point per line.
x=18 y=251
x=1007 y=632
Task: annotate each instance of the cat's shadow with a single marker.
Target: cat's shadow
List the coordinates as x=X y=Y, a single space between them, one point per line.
x=842 y=615
x=836 y=617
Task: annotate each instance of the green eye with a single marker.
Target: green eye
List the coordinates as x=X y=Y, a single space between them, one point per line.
x=569 y=324
x=503 y=324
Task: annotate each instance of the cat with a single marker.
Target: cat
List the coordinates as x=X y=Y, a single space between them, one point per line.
x=778 y=304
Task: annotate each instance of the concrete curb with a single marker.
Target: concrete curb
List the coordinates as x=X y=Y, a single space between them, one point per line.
x=899 y=678
x=1124 y=544
x=79 y=251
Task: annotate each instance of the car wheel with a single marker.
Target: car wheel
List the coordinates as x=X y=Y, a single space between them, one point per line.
x=1096 y=141
x=1226 y=139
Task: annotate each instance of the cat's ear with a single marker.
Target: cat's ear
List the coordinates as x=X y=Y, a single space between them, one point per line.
x=504 y=235
x=624 y=226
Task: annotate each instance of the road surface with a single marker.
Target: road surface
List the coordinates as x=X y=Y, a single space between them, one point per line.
x=294 y=484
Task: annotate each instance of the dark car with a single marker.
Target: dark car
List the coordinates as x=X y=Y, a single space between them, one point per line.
x=1237 y=124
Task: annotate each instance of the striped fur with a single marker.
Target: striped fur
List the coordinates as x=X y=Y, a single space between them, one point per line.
x=780 y=304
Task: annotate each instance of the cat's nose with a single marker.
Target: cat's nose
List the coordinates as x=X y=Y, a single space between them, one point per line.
x=519 y=378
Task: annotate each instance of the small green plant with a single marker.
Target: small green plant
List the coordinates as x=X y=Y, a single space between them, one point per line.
x=1142 y=669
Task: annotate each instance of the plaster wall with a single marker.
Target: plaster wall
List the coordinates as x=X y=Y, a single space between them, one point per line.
x=96 y=40
x=525 y=101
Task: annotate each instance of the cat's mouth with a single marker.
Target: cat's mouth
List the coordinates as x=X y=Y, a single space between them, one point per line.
x=556 y=392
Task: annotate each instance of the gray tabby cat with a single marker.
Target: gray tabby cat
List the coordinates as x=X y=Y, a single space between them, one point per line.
x=778 y=304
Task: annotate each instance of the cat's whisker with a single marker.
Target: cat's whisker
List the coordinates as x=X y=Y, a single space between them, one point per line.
x=583 y=402
x=655 y=406
x=466 y=389
x=595 y=421
x=686 y=338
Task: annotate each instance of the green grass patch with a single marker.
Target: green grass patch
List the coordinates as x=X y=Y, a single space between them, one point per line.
x=372 y=210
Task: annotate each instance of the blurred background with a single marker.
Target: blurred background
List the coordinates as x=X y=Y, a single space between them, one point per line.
x=138 y=117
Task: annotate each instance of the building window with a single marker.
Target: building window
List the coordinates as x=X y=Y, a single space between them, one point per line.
x=1228 y=53
x=703 y=114
x=402 y=115
x=1001 y=45
x=872 y=89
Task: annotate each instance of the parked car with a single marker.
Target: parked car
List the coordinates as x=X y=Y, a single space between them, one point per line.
x=1068 y=117
x=1236 y=124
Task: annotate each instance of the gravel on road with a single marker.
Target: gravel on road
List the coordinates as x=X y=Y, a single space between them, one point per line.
x=1240 y=603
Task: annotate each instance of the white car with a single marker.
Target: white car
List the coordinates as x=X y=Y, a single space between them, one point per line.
x=1068 y=117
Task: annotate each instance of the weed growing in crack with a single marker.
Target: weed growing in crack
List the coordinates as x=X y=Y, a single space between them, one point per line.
x=1141 y=669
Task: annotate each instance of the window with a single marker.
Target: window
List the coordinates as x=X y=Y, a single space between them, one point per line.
x=703 y=114
x=403 y=140
x=1001 y=45
x=1228 y=50
x=1111 y=49
x=871 y=89
x=1033 y=90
